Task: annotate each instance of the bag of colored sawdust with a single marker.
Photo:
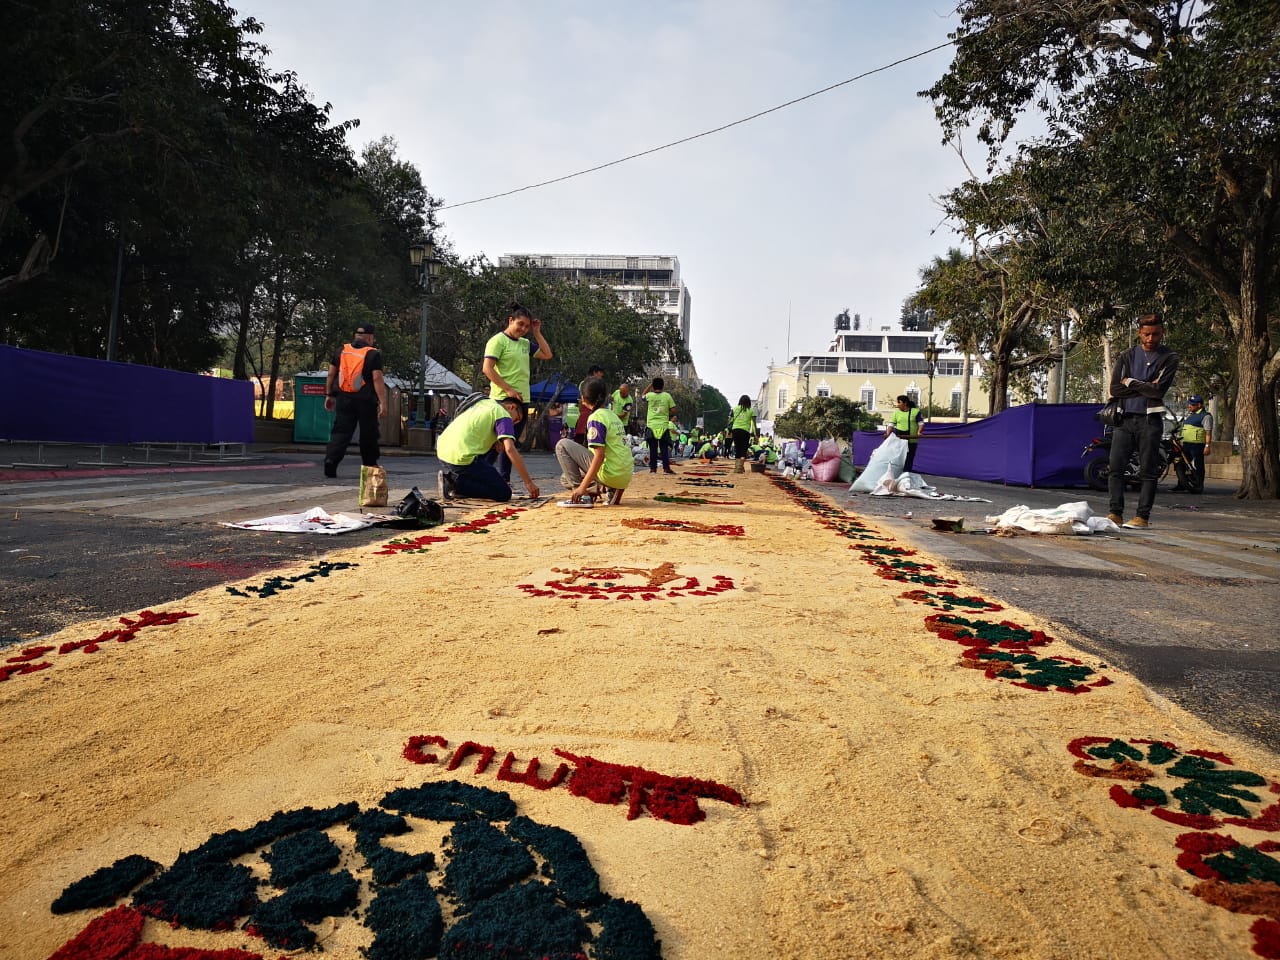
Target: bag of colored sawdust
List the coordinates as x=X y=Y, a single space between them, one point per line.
x=373 y=487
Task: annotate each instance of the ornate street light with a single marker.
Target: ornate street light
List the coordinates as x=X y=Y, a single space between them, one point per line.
x=423 y=257
x=931 y=354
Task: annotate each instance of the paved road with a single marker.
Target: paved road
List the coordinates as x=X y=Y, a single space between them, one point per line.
x=1190 y=606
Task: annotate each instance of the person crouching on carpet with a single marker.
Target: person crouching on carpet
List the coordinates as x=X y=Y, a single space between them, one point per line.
x=605 y=464
x=462 y=447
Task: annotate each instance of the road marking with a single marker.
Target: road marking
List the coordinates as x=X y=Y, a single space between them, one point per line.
x=286 y=497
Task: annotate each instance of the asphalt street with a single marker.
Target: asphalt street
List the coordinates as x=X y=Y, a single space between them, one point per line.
x=1190 y=606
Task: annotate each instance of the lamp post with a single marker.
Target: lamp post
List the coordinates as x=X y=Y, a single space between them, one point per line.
x=423 y=257
x=931 y=354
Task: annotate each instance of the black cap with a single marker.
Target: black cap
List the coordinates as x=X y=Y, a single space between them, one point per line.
x=365 y=328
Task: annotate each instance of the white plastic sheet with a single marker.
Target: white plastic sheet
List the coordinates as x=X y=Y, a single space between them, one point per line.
x=1065 y=519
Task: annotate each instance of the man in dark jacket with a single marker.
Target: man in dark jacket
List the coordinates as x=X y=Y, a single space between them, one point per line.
x=1142 y=376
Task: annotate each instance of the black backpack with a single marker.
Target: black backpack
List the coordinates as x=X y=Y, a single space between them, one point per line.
x=416 y=511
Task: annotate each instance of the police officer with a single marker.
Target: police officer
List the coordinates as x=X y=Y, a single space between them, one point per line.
x=1197 y=431
x=356 y=394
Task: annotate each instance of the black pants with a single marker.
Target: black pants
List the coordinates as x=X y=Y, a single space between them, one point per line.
x=351 y=410
x=741 y=444
x=1144 y=433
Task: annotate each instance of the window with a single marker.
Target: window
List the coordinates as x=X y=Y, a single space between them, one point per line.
x=862 y=344
x=866 y=364
x=820 y=365
x=868 y=398
x=908 y=344
x=824 y=389
x=955 y=401
x=782 y=398
x=905 y=366
x=950 y=368
x=914 y=393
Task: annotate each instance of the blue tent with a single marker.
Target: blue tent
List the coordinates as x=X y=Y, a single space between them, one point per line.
x=544 y=390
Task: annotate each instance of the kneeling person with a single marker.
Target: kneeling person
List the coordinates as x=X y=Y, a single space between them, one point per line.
x=465 y=441
x=610 y=458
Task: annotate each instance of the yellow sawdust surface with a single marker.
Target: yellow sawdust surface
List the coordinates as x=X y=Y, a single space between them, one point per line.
x=899 y=805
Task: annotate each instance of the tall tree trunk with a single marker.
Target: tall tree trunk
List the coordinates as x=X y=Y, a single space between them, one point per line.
x=964 y=386
x=239 y=366
x=1255 y=408
x=1056 y=373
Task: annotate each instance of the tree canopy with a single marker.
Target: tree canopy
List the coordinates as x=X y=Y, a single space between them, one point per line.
x=1164 y=136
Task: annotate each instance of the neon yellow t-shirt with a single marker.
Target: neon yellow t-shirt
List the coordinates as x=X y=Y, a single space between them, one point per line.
x=511 y=357
x=658 y=415
x=474 y=432
x=606 y=430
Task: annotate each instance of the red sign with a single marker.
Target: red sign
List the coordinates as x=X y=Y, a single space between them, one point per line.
x=313 y=390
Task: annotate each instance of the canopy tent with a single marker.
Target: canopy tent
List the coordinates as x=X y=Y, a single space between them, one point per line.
x=440 y=379
x=544 y=390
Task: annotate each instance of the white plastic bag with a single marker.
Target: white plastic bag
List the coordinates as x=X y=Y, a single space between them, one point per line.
x=888 y=458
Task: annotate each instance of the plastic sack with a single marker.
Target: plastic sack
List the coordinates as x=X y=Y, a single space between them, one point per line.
x=888 y=458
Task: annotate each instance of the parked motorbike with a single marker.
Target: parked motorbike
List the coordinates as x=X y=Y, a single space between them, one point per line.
x=1097 y=458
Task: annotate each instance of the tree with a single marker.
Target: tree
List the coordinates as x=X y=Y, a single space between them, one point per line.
x=822 y=417
x=1170 y=108
x=716 y=409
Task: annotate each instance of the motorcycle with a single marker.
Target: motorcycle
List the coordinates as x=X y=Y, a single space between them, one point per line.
x=1097 y=457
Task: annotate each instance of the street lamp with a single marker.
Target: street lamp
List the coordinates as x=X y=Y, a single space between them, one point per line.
x=423 y=257
x=931 y=354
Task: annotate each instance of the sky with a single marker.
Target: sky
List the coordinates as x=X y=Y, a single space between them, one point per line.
x=779 y=223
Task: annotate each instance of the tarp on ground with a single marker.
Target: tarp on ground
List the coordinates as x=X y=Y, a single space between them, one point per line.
x=315 y=520
x=1033 y=445
x=57 y=398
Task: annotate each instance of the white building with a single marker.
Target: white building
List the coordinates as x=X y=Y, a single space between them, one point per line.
x=875 y=368
x=650 y=282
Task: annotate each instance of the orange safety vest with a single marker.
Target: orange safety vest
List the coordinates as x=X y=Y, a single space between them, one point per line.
x=351 y=368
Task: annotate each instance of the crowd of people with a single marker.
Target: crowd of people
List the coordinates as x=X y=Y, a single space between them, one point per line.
x=478 y=447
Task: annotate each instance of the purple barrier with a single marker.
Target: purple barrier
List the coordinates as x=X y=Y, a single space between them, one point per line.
x=1033 y=445
x=57 y=398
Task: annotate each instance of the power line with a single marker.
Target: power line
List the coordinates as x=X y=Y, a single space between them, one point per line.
x=705 y=133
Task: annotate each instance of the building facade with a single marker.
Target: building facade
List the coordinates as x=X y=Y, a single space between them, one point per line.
x=649 y=282
x=874 y=368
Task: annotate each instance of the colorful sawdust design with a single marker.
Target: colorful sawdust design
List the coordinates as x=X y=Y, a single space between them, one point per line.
x=683 y=526
x=482 y=524
x=1194 y=788
x=1203 y=790
x=949 y=601
x=669 y=798
x=32 y=659
x=502 y=902
x=663 y=582
x=1003 y=651
x=278 y=584
x=704 y=482
x=1240 y=877
x=696 y=501
x=408 y=545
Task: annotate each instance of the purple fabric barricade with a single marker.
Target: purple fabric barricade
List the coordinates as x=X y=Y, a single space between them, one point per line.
x=57 y=398
x=1034 y=445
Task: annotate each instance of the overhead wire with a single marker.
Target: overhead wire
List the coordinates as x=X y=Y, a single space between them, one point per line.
x=704 y=133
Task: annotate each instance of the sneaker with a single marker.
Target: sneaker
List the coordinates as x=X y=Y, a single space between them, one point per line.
x=667 y=470
x=330 y=469
x=1116 y=519
x=1137 y=523
x=446 y=486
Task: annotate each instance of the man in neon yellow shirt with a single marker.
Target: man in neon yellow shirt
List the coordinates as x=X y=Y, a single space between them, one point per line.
x=462 y=447
x=661 y=408
x=621 y=403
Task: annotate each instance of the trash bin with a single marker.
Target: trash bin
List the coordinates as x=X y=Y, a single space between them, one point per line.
x=312 y=423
